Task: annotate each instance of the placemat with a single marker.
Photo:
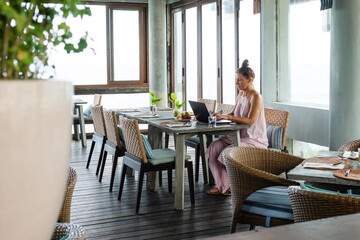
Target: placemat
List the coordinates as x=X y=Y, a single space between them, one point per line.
x=164 y=109
x=126 y=110
x=353 y=174
x=176 y=124
x=328 y=160
x=148 y=115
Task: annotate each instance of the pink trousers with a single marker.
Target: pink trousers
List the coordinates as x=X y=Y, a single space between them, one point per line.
x=216 y=161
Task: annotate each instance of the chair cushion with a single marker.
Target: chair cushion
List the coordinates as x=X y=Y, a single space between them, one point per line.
x=148 y=149
x=269 y=202
x=164 y=156
x=315 y=189
x=87 y=112
x=274 y=135
x=194 y=139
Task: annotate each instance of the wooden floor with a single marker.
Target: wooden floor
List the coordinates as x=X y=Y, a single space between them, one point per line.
x=104 y=217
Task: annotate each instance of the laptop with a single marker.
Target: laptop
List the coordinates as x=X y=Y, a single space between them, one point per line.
x=201 y=113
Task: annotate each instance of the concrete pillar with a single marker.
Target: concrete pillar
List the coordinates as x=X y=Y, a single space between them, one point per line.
x=345 y=73
x=157 y=50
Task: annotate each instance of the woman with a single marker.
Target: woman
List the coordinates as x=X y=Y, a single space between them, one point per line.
x=248 y=110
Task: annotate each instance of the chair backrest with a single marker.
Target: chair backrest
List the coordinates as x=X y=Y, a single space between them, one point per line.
x=277 y=117
x=133 y=140
x=65 y=211
x=350 y=146
x=312 y=205
x=225 y=108
x=97 y=99
x=210 y=104
x=97 y=113
x=112 y=130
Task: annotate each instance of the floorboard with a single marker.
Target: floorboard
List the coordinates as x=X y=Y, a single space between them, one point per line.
x=104 y=217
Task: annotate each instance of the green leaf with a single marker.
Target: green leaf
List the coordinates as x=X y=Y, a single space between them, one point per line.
x=173 y=96
x=152 y=94
x=178 y=105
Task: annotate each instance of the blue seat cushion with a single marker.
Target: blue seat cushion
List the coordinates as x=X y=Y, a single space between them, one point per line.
x=269 y=202
x=122 y=139
x=194 y=139
x=315 y=189
x=148 y=150
x=274 y=135
x=164 y=156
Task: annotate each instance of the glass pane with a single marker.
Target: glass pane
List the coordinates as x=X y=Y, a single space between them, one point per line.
x=249 y=39
x=178 y=63
x=228 y=51
x=191 y=55
x=126 y=45
x=209 y=54
x=309 y=58
x=90 y=66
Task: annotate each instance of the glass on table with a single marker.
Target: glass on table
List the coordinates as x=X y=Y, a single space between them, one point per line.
x=212 y=120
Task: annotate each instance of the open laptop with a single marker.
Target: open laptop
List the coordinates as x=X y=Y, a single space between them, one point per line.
x=201 y=113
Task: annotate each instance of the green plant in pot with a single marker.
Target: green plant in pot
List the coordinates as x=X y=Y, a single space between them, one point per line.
x=154 y=101
x=176 y=104
x=36 y=115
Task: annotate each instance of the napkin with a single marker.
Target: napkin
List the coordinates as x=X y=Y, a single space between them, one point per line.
x=323 y=165
x=347 y=154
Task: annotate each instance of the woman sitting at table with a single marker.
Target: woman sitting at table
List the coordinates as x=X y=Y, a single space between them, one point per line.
x=248 y=110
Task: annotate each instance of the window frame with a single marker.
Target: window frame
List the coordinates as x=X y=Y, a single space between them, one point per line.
x=121 y=86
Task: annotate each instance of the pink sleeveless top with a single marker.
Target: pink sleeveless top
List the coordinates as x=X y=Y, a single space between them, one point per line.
x=255 y=136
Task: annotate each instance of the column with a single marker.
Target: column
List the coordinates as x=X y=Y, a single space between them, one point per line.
x=157 y=50
x=345 y=73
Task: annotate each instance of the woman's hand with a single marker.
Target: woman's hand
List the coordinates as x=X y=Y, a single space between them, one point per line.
x=221 y=116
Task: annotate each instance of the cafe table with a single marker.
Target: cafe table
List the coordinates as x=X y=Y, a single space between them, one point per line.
x=78 y=106
x=322 y=176
x=155 y=132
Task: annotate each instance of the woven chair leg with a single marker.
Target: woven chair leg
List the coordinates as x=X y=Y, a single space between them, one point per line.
x=141 y=179
x=90 y=153
x=113 y=171
x=103 y=166
x=191 y=182
x=123 y=173
x=235 y=218
x=160 y=178
x=170 y=179
x=197 y=163
x=167 y=136
x=100 y=158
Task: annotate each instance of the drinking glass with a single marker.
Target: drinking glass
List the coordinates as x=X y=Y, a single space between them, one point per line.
x=212 y=120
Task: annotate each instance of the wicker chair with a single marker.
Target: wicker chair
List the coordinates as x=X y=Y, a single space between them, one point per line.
x=312 y=205
x=65 y=211
x=136 y=158
x=277 y=117
x=350 y=146
x=112 y=145
x=69 y=231
x=250 y=171
x=225 y=108
x=87 y=120
x=99 y=136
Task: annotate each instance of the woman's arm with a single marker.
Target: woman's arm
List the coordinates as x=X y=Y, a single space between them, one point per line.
x=255 y=108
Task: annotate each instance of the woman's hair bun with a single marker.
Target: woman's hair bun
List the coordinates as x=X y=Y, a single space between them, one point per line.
x=245 y=64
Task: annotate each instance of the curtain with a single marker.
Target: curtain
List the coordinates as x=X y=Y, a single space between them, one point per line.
x=257 y=6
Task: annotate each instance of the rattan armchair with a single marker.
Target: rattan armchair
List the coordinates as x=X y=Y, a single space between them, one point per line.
x=350 y=146
x=69 y=231
x=252 y=169
x=99 y=136
x=312 y=205
x=277 y=117
x=65 y=211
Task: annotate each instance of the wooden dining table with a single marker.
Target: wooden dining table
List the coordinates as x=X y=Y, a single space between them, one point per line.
x=155 y=133
x=322 y=176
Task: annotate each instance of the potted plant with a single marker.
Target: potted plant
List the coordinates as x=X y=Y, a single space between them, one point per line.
x=177 y=104
x=154 y=101
x=35 y=115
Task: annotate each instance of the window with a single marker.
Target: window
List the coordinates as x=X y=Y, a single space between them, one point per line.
x=208 y=40
x=116 y=55
x=309 y=53
x=249 y=39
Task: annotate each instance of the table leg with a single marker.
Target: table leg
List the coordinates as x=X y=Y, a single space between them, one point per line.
x=203 y=148
x=155 y=140
x=179 y=171
x=236 y=137
x=82 y=126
